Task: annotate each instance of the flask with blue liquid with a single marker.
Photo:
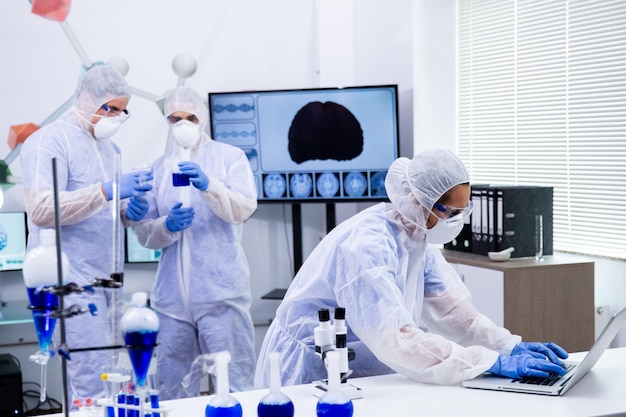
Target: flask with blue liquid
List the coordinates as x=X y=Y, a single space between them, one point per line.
x=222 y=404
x=40 y=274
x=140 y=327
x=335 y=402
x=275 y=403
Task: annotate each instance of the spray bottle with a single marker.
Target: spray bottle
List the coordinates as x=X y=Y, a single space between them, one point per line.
x=275 y=404
x=222 y=404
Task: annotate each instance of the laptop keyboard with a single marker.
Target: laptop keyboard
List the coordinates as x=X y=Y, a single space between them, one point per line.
x=551 y=380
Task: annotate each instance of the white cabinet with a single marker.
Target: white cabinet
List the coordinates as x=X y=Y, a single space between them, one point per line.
x=487 y=288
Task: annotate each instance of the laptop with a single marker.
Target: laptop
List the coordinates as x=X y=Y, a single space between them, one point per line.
x=556 y=385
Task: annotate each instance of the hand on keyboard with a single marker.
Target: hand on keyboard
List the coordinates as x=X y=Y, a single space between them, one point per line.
x=552 y=351
x=523 y=364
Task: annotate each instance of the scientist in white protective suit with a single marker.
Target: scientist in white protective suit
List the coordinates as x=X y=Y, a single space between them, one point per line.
x=202 y=289
x=85 y=160
x=406 y=309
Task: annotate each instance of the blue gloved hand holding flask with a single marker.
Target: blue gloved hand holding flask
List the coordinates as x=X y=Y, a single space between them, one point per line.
x=196 y=175
x=131 y=184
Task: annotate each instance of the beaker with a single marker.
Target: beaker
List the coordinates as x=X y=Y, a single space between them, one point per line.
x=144 y=171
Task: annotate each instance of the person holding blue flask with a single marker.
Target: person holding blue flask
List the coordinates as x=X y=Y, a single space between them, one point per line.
x=81 y=144
x=203 y=193
x=407 y=310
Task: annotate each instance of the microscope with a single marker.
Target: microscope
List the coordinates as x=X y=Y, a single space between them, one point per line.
x=334 y=337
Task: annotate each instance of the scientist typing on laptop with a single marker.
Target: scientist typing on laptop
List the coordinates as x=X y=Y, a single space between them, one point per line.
x=406 y=308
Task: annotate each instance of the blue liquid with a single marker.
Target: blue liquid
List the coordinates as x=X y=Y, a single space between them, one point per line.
x=130 y=401
x=121 y=399
x=234 y=411
x=180 y=180
x=154 y=403
x=275 y=410
x=44 y=303
x=140 y=356
x=334 y=410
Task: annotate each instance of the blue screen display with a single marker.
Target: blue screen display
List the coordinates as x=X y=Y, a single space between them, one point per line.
x=308 y=145
x=12 y=240
x=136 y=253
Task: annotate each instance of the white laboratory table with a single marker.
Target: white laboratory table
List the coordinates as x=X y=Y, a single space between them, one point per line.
x=602 y=392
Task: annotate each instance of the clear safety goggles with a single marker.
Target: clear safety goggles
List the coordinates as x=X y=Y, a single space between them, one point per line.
x=111 y=111
x=451 y=211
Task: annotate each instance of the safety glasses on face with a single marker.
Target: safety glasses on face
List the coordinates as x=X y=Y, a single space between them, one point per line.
x=451 y=211
x=175 y=119
x=112 y=111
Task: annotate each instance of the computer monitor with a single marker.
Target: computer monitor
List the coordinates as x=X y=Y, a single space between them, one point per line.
x=135 y=253
x=13 y=231
x=312 y=145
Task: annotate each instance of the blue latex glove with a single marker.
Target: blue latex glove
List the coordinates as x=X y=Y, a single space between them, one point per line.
x=541 y=350
x=137 y=208
x=131 y=184
x=521 y=365
x=196 y=175
x=179 y=218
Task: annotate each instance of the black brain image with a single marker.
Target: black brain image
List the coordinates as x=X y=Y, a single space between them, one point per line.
x=324 y=131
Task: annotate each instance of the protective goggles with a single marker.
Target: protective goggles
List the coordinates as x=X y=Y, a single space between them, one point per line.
x=451 y=211
x=111 y=111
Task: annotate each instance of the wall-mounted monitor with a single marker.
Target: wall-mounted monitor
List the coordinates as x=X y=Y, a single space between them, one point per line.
x=13 y=232
x=312 y=145
x=135 y=253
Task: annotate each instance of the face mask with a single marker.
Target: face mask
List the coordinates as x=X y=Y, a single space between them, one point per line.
x=106 y=127
x=445 y=230
x=186 y=133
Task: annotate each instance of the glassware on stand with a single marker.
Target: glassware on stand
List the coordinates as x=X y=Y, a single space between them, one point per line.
x=140 y=327
x=40 y=275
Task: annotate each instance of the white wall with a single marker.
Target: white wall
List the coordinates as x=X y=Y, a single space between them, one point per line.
x=245 y=44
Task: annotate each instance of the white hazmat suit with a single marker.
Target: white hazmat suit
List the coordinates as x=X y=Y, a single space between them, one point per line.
x=202 y=288
x=83 y=164
x=406 y=308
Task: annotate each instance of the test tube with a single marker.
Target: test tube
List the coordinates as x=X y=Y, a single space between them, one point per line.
x=538 y=238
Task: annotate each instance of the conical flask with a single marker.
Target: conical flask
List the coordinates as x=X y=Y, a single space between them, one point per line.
x=140 y=327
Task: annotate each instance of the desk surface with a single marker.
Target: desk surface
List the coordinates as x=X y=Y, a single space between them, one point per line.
x=600 y=393
x=482 y=261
